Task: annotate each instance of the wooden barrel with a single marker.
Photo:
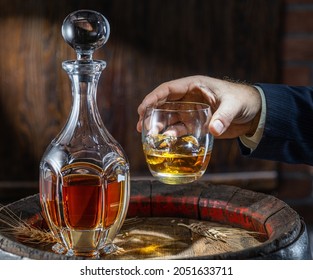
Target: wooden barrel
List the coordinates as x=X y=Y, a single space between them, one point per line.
x=195 y=221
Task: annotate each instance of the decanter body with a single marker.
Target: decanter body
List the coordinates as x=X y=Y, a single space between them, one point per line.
x=84 y=173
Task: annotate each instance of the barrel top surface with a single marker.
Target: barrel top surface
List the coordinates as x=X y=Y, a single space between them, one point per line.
x=159 y=216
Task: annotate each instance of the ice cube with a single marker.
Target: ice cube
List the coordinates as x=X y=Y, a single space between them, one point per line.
x=161 y=141
x=186 y=145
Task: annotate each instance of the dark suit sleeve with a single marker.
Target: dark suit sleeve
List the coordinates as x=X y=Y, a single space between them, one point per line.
x=288 y=131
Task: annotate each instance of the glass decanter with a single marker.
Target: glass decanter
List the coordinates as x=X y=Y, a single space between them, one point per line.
x=84 y=173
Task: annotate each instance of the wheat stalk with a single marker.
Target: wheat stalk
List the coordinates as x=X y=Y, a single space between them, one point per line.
x=16 y=226
x=205 y=231
x=223 y=234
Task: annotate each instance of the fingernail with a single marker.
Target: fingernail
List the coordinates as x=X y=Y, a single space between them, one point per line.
x=218 y=126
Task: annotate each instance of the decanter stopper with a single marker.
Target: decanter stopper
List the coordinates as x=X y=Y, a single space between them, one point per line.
x=85 y=31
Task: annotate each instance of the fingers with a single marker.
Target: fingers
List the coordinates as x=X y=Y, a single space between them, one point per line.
x=157 y=97
x=177 y=125
x=176 y=130
x=173 y=90
x=159 y=124
x=187 y=89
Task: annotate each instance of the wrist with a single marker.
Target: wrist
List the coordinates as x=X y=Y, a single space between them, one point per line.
x=254 y=125
x=259 y=107
x=252 y=139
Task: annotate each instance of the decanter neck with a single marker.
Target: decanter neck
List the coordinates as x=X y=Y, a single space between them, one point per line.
x=84 y=118
x=84 y=76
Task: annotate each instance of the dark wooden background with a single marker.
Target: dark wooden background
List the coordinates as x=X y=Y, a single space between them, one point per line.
x=151 y=41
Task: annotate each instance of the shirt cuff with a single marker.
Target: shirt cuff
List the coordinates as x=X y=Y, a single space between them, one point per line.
x=253 y=141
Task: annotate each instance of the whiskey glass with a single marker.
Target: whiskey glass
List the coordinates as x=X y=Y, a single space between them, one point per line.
x=176 y=142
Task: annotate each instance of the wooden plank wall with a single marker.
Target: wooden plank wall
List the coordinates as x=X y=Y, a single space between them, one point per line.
x=151 y=42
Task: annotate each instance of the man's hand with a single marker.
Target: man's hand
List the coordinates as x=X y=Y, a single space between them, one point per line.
x=236 y=107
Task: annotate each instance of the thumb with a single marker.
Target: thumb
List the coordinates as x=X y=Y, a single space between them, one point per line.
x=216 y=127
x=222 y=118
